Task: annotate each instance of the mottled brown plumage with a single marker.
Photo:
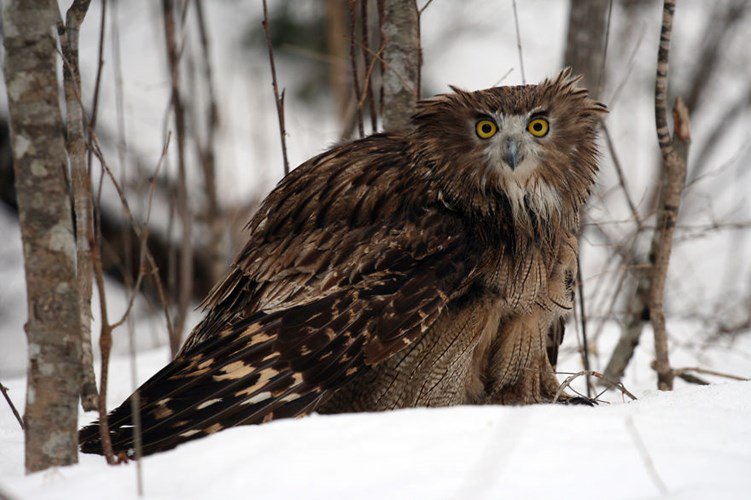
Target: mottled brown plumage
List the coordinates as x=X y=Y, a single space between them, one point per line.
x=417 y=269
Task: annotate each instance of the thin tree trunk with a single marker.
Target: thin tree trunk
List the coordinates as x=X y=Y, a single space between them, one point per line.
x=336 y=40
x=646 y=304
x=185 y=268
x=401 y=57
x=53 y=328
x=674 y=152
x=213 y=215
x=81 y=184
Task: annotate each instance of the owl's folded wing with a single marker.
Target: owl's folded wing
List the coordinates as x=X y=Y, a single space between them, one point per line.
x=355 y=311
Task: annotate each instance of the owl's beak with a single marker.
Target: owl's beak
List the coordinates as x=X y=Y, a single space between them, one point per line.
x=511 y=154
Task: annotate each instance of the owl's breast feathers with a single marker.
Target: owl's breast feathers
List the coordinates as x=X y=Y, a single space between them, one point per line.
x=349 y=260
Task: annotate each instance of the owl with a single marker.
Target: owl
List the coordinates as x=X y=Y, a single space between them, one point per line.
x=421 y=268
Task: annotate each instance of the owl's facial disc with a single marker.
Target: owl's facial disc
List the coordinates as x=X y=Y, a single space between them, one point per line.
x=514 y=147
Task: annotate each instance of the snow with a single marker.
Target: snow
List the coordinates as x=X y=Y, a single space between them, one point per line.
x=695 y=441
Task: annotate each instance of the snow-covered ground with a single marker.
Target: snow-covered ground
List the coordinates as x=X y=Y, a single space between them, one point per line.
x=694 y=443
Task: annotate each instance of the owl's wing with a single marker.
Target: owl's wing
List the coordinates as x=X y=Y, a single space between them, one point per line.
x=296 y=319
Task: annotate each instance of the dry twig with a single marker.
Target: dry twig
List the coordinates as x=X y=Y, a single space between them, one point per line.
x=4 y=390
x=279 y=99
x=704 y=371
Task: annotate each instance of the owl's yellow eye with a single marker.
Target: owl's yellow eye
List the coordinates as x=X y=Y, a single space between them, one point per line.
x=538 y=127
x=486 y=129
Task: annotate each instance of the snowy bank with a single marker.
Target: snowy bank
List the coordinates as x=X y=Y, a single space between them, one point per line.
x=693 y=443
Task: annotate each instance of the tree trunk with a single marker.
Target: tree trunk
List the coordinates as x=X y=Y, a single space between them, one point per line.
x=402 y=63
x=585 y=42
x=53 y=327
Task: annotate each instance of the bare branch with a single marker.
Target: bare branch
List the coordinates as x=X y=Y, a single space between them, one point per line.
x=279 y=99
x=704 y=371
x=621 y=177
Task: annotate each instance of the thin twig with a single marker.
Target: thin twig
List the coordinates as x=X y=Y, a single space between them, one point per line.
x=591 y=373
x=105 y=346
x=427 y=4
x=621 y=176
x=98 y=79
x=138 y=229
x=705 y=371
x=601 y=73
x=519 y=42
x=583 y=320
x=382 y=38
x=279 y=99
x=353 y=62
x=4 y=390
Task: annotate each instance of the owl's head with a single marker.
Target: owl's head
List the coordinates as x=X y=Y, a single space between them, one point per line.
x=529 y=150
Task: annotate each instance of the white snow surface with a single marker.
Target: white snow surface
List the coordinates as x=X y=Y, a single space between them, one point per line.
x=692 y=443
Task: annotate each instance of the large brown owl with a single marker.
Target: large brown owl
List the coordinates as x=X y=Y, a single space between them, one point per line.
x=423 y=268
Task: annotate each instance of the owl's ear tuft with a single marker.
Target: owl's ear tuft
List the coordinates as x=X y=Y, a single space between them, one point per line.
x=457 y=90
x=566 y=79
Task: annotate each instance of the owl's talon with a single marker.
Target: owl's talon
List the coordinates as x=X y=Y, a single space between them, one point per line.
x=579 y=401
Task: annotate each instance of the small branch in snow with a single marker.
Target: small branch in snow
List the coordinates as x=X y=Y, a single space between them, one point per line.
x=4 y=390
x=591 y=373
x=679 y=372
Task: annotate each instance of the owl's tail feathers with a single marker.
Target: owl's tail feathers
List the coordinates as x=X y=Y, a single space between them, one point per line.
x=239 y=378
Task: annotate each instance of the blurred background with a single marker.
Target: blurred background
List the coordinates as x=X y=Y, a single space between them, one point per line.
x=232 y=138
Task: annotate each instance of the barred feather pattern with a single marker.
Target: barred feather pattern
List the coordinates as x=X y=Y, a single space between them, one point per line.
x=388 y=272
